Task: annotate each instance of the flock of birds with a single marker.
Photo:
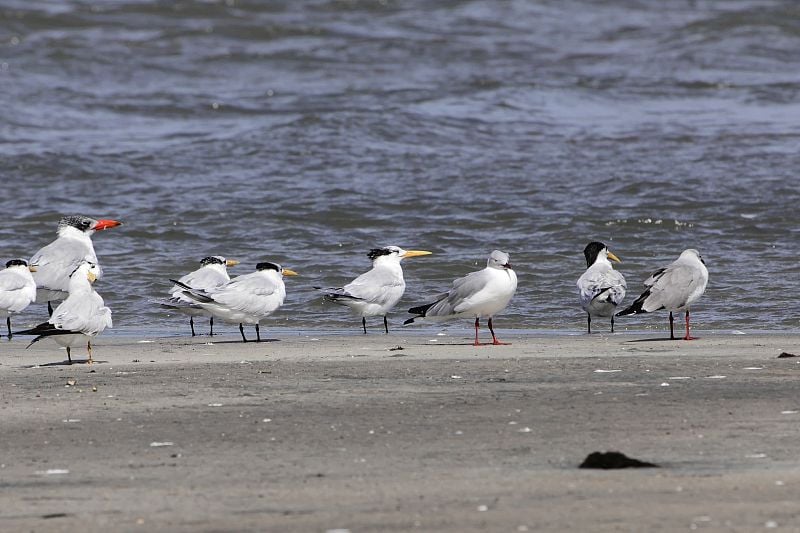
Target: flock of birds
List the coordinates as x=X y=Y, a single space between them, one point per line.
x=65 y=269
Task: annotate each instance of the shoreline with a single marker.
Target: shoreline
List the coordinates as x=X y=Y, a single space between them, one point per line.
x=347 y=432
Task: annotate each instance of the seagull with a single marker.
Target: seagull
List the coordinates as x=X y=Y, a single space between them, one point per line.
x=480 y=294
x=17 y=289
x=246 y=299
x=82 y=316
x=56 y=261
x=674 y=288
x=376 y=292
x=213 y=272
x=601 y=288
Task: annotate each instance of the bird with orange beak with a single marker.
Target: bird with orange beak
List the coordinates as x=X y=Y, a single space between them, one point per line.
x=58 y=260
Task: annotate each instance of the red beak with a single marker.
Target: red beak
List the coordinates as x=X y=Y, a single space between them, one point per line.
x=105 y=224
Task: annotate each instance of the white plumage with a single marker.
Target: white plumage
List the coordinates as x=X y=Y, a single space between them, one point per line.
x=79 y=318
x=246 y=299
x=376 y=292
x=17 y=289
x=55 y=262
x=480 y=294
x=673 y=288
x=601 y=288
x=213 y=272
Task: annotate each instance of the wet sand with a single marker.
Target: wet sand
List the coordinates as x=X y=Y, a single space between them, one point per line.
x=348 y=432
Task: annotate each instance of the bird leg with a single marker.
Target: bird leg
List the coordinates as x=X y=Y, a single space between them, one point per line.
x=191 y=324
x=8 y=325
x=385 y=326
x=69 y=356
x=364 y=324
x=494 y=339
x=688 y=337
x=477 y=342
x=612 y=323
x=241 y=330
x=211 y=326
x=671 y=327
x=49 y=309
x=89 y=349
x=258 y=334
x=589 y=321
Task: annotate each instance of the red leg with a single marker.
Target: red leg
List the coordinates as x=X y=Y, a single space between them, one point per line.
x=494 y=339
x=477 y=342
x=688 y=337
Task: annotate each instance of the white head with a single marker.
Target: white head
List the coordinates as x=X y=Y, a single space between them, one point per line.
x=393 y=254
x=691 y=253
x=83 y=276
x=266 y=266
x=499 y=260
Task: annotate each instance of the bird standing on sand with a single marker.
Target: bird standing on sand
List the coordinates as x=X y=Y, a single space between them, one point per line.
x=480 y=294
x=674 y=288
x=376 y=292
x=79 y=318
x=59 y=259
x=245 y=299
x=213 y=272
x=601 y=288
x=17 y=289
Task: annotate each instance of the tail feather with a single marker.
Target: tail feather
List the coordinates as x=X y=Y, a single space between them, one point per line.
x=198 y=297
x=420 y=311
x=45 y=329
x=337 y=293
x=636 y=306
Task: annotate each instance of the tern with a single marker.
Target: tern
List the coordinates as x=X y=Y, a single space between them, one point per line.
x=213 y=272
x=601 y=288
x=56 y=261
x=245 y=299
x=17 y=289
x=79 y=318
x=673 y=288
x=376 y=292
x=478 y=294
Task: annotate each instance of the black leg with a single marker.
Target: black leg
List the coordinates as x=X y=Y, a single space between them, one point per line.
x=494 y=338
x=69 y=356
x=385 y=326
x=241 y=330
x=258 y=334
x=8 y=325
x=191 y=324
x=612 y=323
x=477 y=325
x=364 y=324
x=671 y=326
x=211 y=327
x=49 y=309
x=589 y=322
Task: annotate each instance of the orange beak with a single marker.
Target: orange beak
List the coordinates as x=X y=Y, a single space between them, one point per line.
x=105 y=224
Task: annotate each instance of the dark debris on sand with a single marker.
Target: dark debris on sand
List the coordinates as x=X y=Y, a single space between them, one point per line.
x=613 y=460
x=784 y=355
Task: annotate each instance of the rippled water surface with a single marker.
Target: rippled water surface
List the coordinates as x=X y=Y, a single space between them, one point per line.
x=307 y=132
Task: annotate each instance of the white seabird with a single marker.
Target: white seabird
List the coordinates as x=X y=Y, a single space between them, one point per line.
x=376 y=292
x=245 y=299
x=79 y=318
x=673 y=288
x=601 y=288
x=213 y=272
x=478 y=294
x=17 y=289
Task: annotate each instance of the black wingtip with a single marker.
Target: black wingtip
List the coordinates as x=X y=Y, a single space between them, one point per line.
x=421 y=310
x=181 y=284
x=635 y=307
x=409 y=321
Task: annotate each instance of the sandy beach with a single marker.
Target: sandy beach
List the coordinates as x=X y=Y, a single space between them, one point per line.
x=353 y=433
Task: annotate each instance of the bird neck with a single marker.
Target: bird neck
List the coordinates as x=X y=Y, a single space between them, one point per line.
x=71 y=232
x=79 y=283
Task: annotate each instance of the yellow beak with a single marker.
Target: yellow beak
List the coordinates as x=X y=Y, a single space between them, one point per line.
x=32 y=268
x=91 y=276
x=287 y=272
x=614 y=257
x=231 y=262
x=415 y=253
